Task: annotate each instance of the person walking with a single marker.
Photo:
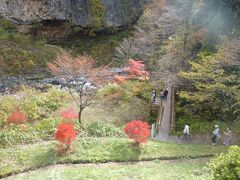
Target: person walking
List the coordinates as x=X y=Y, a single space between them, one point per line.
x=154 y=95
x=165 y=93
x=215 y=135
x=162 y=95
x=228 y=137
x=186 y=133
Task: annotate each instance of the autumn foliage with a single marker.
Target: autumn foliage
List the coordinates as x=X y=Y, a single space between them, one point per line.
x=135 y=70
x=65 y=133
x=69 y=114
x=82 y=66
x=17 y=118
x=73 y=68
x=138 y=131
x=120 y=79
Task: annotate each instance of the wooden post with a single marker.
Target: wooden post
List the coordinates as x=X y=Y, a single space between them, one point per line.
x=173 y=109
x=152 y=131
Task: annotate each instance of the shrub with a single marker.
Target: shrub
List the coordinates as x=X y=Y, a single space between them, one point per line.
x=27 y=133
x=126 y=90
x=227 y=166
x=198 y=126
x=53 y=100
x=142 y=90
x=120 y=79
x=65 y=133
x=237 y=126
x=138 y=131
x=111 y=91
x=17 y=118
x=69 y=114
x=18 y=134
x=43 y=104
x=6 y=107
x=101 y=129
x=46 y=127
x=31 y=108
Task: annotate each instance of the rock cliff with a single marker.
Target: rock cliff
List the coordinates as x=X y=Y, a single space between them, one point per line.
x=85 y=13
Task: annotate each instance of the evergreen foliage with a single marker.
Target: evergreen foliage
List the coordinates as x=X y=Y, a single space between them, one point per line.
x=209 y=89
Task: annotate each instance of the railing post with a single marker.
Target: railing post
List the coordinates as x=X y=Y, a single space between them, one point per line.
x=152 y=131
x=173 y=109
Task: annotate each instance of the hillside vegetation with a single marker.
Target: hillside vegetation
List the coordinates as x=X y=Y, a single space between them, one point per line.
x=21 y=53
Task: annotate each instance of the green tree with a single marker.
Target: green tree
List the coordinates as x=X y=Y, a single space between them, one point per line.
x=209 y=90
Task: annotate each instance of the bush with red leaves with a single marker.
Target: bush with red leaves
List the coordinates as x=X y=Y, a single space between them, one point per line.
x=65 y=133
x=138 y=131
x=134 y=70
x=69 y=114
x=17 y=118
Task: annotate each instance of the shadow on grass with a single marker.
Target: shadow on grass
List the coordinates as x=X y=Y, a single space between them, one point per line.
x=46 y=157
x=125 y=152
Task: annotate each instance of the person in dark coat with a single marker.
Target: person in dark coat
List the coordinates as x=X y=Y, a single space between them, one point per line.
x=165 y=93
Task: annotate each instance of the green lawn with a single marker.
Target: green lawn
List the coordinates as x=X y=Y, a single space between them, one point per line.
x=90 y=150
x=187 y=169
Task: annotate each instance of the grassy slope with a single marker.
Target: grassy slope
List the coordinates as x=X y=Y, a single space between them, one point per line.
x=21 y=158
x=117 y=112
x=187 y=169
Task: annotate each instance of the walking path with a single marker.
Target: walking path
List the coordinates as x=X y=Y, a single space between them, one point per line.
x=166 y=118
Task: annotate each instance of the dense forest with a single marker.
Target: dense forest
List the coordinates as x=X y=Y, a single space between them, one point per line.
x=209 y=81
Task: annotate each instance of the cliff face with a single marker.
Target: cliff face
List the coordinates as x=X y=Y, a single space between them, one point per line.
x=84 y=13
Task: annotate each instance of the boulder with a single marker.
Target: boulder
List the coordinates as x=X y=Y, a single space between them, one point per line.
x=99 y=14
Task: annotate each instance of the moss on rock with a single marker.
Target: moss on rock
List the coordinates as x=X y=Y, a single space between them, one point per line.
x=98 y=13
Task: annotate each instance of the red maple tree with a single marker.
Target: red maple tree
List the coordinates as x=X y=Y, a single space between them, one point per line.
x=138 y=131
x=135 y=70
x=17 y=118
x=69 y=114
x=65 y=133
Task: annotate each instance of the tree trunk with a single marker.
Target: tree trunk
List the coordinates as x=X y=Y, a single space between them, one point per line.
x=80 y=116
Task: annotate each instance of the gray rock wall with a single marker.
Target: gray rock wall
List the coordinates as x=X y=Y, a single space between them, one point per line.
x=79 y=12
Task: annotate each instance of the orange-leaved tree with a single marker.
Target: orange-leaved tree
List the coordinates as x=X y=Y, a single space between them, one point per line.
x=135 y=69
x=85 y=76
x=138 y=131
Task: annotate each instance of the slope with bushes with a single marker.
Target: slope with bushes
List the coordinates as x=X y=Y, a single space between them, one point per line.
x=21 y=53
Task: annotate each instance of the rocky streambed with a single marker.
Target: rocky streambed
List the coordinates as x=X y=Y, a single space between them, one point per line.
x=11 y=84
